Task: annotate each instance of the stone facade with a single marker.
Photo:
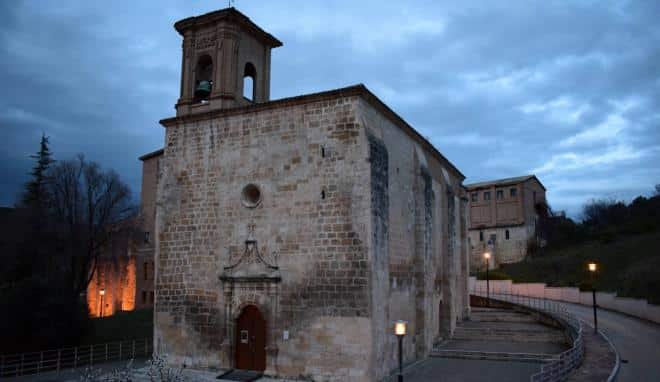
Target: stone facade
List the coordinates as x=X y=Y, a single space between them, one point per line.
x=503 y=219
x=327 y=212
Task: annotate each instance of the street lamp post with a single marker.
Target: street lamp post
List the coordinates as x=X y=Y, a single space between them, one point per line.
x=592 y=270
x=102 y=293
x=400 y=332
x=487 y=258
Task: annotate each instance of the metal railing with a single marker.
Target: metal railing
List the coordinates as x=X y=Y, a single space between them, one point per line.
x=568 y=360
x=16 y=365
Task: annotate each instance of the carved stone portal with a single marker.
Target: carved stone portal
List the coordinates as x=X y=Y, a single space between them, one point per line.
x=251 y=279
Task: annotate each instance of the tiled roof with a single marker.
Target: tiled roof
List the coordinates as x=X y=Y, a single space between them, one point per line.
x=503 y=182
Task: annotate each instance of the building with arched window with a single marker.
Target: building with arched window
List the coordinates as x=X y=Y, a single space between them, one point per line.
x=291 y=234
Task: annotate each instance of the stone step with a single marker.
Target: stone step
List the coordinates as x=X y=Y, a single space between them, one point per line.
x=494 y=356
x=508 y=335
x=501 y=317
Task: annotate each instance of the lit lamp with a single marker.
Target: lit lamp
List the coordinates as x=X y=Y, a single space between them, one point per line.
x=487 y=258
x=102 y=293
x=400 y=332
x=592 y=272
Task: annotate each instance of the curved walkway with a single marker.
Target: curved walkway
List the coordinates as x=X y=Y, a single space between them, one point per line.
x=637 y=342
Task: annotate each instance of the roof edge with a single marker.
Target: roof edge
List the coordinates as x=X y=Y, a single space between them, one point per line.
x=152 y=154
x=231 y=14
x=504 y=182
x=355 y=90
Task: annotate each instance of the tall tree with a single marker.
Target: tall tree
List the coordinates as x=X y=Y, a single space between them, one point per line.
x=36 y=193
x=87 y=201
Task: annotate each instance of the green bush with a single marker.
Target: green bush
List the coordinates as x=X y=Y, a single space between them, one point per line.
x=495 y=274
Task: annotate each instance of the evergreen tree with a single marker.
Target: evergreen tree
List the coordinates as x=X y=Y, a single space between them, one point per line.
x=36 y=194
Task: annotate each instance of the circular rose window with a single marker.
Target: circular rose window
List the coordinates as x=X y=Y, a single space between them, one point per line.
x=251 y=196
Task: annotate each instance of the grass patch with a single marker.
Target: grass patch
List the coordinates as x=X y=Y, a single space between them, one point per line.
x=136 y=324
x=628 y=265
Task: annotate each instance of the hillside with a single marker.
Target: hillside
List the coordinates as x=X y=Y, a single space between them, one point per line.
x=628 y=265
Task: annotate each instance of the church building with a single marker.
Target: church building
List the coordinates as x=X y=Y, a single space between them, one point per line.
x=291 y=234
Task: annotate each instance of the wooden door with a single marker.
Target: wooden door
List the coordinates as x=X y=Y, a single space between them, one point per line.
x=251 y=340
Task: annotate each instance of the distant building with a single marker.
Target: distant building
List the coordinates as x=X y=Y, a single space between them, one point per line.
x=503 y=219
x=124 y=276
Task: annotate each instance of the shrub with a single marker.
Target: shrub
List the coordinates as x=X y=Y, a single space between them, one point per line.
x=493 y=275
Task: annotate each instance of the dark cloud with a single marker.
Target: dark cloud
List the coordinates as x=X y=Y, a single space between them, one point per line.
x=568 y=90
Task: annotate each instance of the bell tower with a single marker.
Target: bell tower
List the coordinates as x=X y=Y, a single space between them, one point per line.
x=225 y=62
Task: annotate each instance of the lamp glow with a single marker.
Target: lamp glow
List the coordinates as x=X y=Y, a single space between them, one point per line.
x=400 y=328
x=487 y=255
x=592 y=267
x=102 y=292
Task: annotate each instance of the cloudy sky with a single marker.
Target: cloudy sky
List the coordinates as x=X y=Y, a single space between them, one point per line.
x=569 y=91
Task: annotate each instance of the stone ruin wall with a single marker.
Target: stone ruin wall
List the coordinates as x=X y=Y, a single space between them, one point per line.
x=309 y=161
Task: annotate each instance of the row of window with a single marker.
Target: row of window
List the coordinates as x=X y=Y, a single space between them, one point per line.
x=493 y=236
x=513 y=193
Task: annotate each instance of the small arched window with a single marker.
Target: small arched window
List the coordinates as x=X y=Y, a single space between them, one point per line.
x=506 y=234
x=203 y=79
x=249 y=80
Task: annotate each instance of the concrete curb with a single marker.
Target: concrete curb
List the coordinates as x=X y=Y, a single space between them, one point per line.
x=615 y=369
x=617 y=363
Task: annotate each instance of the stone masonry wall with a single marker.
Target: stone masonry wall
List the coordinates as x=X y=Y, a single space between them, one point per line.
x=309 y=161
x=410 y=258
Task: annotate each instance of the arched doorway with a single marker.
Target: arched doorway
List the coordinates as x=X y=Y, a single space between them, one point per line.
x=251 y=340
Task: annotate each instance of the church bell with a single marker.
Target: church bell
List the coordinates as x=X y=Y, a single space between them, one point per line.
x=203 y=89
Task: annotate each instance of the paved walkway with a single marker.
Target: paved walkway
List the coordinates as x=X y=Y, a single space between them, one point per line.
x=598 y=361
x=636 y=340
x=463 y=370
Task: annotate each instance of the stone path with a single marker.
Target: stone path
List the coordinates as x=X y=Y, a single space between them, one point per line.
x=598 y=359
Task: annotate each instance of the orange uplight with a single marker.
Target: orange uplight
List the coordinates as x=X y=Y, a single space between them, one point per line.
x=128 y=287
x=113 y=287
